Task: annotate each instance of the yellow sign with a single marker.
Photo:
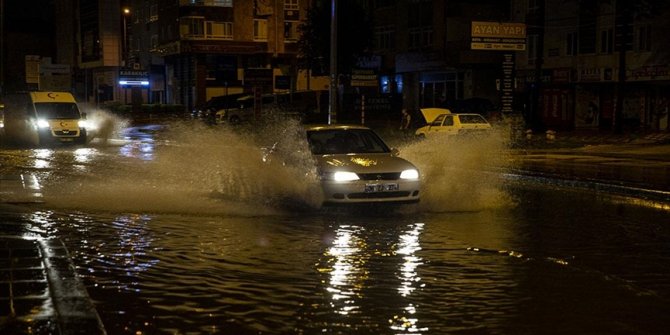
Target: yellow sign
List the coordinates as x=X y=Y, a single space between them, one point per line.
x=498 y=36
x=498 y=29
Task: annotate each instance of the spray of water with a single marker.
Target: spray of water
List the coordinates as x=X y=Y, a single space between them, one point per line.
x=199 y=169
x=458 y=171
x=193 y=168
x=107 y=125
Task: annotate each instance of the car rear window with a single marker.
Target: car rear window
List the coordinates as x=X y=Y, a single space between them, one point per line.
x=472 y=118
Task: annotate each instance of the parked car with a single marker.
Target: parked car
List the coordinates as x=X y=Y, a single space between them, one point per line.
x=296 y=105
x=442 y=121
x=208 y=111
x=356 y=166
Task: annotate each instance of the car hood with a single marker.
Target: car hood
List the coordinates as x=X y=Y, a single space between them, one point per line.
x=430 y=114
x=362 y=163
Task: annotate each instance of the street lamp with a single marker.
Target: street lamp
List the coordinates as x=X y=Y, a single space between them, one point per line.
x=124 y=47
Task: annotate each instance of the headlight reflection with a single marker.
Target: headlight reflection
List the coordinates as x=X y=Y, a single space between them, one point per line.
x=347 y=273
x=409 y=279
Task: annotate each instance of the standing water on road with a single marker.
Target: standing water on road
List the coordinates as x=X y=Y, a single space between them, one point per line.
x=193 y=168
x=183 y=229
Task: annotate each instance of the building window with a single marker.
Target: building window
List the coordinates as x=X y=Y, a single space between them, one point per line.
x=607 y=41
x=153 y=13
x=420 y=37
x=385 y=37
x=571 y=44
x=533 y=6
x=532 y=49
x=154 y=41
x=260 y=30
x=219 y=30
x=291 y=5
x=291 y=33
x=192 y=27
x=644 y=38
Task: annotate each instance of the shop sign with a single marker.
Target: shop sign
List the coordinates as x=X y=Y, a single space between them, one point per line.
x=590 y=74
x=654 y=72
x=498 y=36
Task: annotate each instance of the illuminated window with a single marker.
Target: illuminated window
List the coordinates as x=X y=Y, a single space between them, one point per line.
x=291 y=33
x=219 y=30
x=260 y=30
x=291 y=5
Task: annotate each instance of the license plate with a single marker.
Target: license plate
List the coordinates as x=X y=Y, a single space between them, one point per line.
x=369 y=188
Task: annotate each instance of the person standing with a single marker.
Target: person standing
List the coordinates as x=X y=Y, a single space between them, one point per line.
x=405 y=122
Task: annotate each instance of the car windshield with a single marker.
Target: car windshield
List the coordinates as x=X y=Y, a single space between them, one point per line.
x=345 y=141
x=54 y=110
x=472 y=118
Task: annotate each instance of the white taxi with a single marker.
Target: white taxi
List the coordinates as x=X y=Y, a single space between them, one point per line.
x=442 y=121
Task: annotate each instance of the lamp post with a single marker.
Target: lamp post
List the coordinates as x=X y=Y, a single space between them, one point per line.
x=124 y=47
x=2 y=47
x=332 y=93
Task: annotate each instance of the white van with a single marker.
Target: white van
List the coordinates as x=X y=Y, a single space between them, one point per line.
x=41 y=118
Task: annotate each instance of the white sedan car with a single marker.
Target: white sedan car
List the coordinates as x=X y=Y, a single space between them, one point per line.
x=356 y=166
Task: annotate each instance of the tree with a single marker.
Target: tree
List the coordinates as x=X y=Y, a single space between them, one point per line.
x=354 y=36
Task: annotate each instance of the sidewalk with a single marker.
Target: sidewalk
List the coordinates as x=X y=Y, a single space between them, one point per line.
x=634 y=163
x=40 y=292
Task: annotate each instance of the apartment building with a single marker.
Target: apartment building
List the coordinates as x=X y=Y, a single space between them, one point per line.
x=193 y=50
x=576 y=67
x=425 y=54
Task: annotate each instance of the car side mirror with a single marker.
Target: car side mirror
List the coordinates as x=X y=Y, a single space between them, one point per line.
x=395 y=152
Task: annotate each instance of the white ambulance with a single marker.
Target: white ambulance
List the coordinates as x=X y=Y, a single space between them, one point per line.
x=43 y=118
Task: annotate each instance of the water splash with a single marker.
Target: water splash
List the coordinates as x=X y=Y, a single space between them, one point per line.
x=198 y=169
x=108 y=125
x=458 y=172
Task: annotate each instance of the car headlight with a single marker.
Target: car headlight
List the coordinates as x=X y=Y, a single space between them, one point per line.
x=42 y=123
x=409 y=174
x=344 y=176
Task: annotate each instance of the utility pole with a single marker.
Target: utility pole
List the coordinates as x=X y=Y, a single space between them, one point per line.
x=332 y=93
x=2 y=47
x=624 y=41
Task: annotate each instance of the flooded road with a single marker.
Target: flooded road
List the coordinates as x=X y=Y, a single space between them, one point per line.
x=189 y=234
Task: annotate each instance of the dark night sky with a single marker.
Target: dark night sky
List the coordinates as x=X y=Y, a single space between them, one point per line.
x=29 y=16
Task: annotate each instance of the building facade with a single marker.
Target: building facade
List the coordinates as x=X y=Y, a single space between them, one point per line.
x=425 y=52
x=583 y=56
x=193 y=50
